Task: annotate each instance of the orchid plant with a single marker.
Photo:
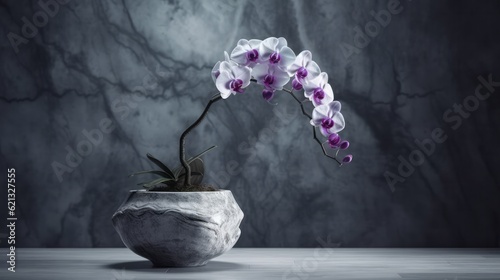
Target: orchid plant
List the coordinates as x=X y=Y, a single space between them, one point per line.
x=271 y=64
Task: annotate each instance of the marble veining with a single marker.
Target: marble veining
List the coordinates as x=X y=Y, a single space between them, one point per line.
x=132 y=75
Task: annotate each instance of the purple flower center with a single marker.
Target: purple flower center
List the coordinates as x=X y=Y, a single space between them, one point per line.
x=268 y=80
x=252 y=55
x=275 y=58
x=327 y=123
x=302 y=73
x=296 y=84
x=319 y=94
x=236 y=85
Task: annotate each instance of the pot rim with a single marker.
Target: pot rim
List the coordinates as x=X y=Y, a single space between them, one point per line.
x=146 y=191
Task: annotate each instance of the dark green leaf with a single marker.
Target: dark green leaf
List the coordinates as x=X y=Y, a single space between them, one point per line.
x=180 y=169
x=156 y=172
x=200 y=154
x=161 y=165
x=148 y=185
x=197 y=171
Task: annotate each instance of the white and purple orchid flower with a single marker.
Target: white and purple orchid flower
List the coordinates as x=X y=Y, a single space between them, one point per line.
x=276 y=52
x=232 y=79
x=270 y=76
x=328 y=118
x=271 y=63
x=216 y=69
x=304 y=68
x=246 y=52
x=319 y=90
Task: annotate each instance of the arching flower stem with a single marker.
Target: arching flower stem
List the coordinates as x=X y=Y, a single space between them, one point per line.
x=289 y=91
x=217 y=97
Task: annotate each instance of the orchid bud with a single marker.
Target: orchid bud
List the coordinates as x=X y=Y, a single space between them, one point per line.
x=347 y=159
x=334 y=140
x=344 y=144
x=267 y=94
x=296 y=84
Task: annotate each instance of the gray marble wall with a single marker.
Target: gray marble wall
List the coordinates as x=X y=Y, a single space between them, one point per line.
x=77 y=72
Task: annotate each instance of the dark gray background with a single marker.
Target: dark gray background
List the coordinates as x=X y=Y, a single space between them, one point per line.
x=85 y=63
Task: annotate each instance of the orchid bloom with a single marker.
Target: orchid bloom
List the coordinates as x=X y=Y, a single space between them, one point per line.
x=232 y=79
x=276 y=52
x=328 y=118
x=319 y=90
x=271 y=63
x=270 y=76
x=246 y=52
x=304 y=68
x=216 y=69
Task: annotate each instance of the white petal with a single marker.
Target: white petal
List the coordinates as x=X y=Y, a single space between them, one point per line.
x=267 y=47
x=304 y=58
x=255 y=44
x=222 y=84
x=225 y=67
x=226 y=57
x=215 y=70
x=242 y=73
x=259 y=71
x=311 y=84
x=333 y=108
x=313 y=70
x=281 y=78
x=281 y=43
x=242 y=42
x=287 y=57
x=322 y=79
x=318 y=114
x=239 y=55
x=300 y=61
x=328 y=94
x=308 y=94
x=339 y=121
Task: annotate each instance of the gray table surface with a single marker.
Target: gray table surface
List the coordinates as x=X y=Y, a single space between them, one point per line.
x=260 y=263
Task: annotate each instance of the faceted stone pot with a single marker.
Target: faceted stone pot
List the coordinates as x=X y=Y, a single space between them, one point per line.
x=175 y=229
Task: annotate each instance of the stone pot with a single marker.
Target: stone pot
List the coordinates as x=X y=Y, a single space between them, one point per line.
x=175 y=229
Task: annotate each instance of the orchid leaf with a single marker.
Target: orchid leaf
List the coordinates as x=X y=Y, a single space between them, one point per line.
x=200 y=154
x=150 y=184
x=197 y=167
x=161 y=165
x=179 y=169
x=156 y=172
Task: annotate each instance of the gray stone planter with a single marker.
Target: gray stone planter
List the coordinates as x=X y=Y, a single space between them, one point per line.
x=179 y=228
